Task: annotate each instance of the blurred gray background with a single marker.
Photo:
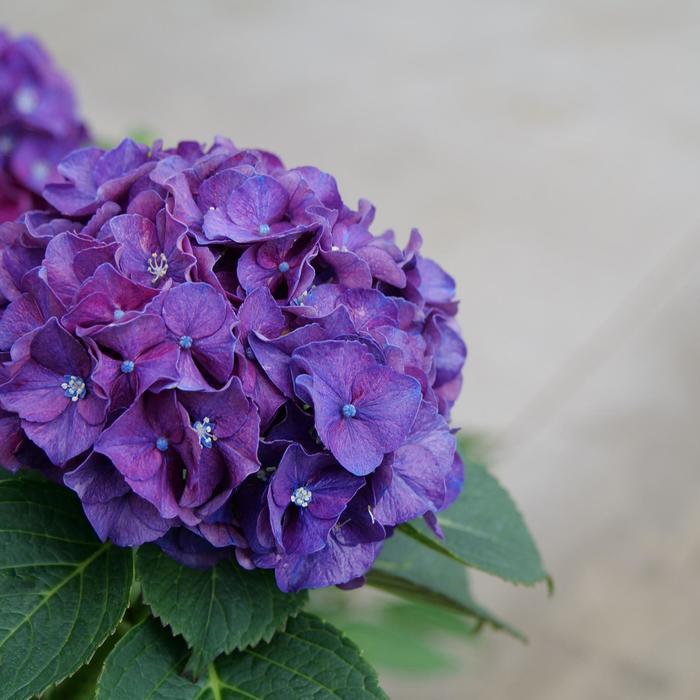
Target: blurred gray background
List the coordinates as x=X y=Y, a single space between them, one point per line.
x=550 y=154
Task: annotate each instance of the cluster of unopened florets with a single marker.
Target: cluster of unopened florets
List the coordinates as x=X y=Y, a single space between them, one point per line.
x=38 y=123
x=216 y=354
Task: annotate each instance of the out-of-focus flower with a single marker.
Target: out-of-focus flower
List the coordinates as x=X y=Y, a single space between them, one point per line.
x=39 y=124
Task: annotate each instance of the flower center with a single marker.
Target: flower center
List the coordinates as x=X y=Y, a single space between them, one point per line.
x=301 y=497
x=299 y=301
x=118 y=314
x=249 y=353
x=157 y=265
x=162 y=444
x=263 y=229
x=73 y=387
x=205 y=430
x=283 y=266
x=40 y=171
x=348 y=411
x=26 y=100
x=128 y=366
x=185 y=342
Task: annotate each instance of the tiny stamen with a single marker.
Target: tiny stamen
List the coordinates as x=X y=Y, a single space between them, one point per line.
x=283 y=266
x=348 y=411
x=128 y=366
x=157 y=265
x=73 y=387
x=263 y=229
x=162 y=444
x=301 y=497
x=205 y=430
x=185 y=342
x=26 y=100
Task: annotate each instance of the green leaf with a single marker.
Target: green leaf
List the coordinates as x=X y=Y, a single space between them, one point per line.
x=484 y=529
x=62 y=592
x=310 y=659
x=82 y=685
x=145 y=664
x=388 y=647
x=215 y=610
x=422 y=574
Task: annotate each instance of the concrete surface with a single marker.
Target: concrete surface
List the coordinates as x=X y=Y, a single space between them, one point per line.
x=550 y=154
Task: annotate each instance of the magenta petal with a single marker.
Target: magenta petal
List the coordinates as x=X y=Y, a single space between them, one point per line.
x=350 y=269
x=260 y=200
x=130 y=442
x=65 y=437
x=183 y=309
x=114 y=511
x=35 y=393
x=334 y=564
x=420 y=468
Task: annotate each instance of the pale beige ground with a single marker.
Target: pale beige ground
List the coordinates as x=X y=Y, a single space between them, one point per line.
x=550 y=153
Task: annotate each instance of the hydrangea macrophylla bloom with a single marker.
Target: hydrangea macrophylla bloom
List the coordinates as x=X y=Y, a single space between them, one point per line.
x=307 y=494
x=52 y=393
x=134 y=356
x=112 y=508
x=420 y=469
x=199 y=320
x=153 y=448
x=150 y=253
x=107 y=296
x=252 y=212
x=362 y=409
x=93 y=177
x=222 y=358
x=39 y=124
x=227 y=427
x=283 y=265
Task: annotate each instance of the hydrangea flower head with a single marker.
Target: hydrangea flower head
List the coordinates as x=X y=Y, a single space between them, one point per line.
x=38 y=123
x=221 y=357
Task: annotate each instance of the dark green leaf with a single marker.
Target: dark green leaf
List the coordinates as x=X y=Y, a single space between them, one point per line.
x=62 y=591
x=215 y=610
x=420 y=573
x=82 y=685
x=145 y=664
x=309 y=660
x=484 y=529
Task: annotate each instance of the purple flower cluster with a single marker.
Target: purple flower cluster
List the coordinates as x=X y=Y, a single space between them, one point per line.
x=216 y=354
x=38 y=123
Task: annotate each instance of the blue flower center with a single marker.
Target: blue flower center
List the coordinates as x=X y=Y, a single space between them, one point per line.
x=162 y=444
x=157 y=265
x=205 y=430
x=26 y=100
x=185 y=342
x=249 y=353
x=301 y=497
x=39 y=171
x=128 y=366
x=263 y=229
x=73 y=387
x=348 y=411
x=283 y=266
x=118 y=314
